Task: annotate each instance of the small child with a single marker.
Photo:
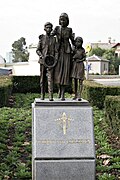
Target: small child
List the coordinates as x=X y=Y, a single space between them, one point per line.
x=77 y=72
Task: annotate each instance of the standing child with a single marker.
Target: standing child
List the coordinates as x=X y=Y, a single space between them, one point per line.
x=77 y=72
x=46 y=48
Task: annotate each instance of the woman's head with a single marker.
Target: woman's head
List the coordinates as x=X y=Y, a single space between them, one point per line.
x=64 y=20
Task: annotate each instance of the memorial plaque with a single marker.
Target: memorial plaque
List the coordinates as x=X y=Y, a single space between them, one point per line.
x=63 y=140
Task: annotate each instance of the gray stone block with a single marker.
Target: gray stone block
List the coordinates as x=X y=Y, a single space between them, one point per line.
x=65 y=170
x=62 y=136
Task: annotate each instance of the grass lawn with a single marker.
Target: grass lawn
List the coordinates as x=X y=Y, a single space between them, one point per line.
x=15 y=142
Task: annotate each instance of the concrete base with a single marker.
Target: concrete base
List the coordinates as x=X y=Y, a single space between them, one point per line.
x=65 y=170
x=62 y=140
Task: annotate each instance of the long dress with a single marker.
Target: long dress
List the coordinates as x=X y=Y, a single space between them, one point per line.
x=77 y=71
x=62 y=69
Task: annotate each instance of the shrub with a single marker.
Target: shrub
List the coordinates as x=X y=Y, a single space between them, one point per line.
x=31 y=84
x=112 y=113
x=24 y=84
x=5 y=90
x=95 y=93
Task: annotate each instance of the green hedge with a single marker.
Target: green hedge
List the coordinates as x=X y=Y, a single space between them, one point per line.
x=26 y=84
x=5 y=90
x=112 y=113
x=95 y=93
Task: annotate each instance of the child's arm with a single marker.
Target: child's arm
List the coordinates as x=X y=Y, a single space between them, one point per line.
x=80 y=56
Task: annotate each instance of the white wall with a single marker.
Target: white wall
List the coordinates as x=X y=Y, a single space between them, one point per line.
x=95 y=67
x=32 y=67
x=26 y=68
x=32 y=54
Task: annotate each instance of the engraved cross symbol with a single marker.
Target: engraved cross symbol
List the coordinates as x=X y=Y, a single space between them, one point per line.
x=64 y=122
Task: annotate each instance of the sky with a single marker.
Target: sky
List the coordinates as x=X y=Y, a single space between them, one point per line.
x=93 y=20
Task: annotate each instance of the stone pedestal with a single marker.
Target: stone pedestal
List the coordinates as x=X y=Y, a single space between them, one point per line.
x=62 y=140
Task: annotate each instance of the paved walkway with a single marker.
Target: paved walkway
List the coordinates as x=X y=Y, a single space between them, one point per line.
x=108 y=82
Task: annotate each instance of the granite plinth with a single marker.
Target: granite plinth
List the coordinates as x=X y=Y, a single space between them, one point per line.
x=62 y=138
x=65 y=169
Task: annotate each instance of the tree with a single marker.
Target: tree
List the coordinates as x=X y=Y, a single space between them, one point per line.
x=97 y=51
x=116 y=64
x=20 y=52
x=110 y=55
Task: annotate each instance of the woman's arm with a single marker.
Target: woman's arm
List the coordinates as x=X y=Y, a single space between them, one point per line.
x=72 y=36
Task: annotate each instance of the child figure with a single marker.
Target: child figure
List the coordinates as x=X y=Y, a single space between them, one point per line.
x=46 y=47
x=77 y=72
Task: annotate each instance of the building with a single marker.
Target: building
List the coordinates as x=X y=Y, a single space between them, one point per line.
x=2 y=61
x=9 y=57
x=107 y=46
x=101 y=45
x=5 y=71
x=97 y=65
x=30 y=68
x=117 y=49
x=32 y=53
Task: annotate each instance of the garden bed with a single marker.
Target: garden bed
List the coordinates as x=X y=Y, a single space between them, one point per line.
x=15 y=142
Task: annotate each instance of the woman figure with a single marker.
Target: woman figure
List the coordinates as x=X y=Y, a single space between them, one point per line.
x=63 y=34
x=77 y=72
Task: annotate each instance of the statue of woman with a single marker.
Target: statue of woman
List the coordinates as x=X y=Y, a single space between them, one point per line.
x=63 y=34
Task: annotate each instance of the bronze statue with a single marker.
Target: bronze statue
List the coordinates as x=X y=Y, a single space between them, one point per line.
x=58 y=61
x=77 y=71
x=48 y=55
x=63 y=34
